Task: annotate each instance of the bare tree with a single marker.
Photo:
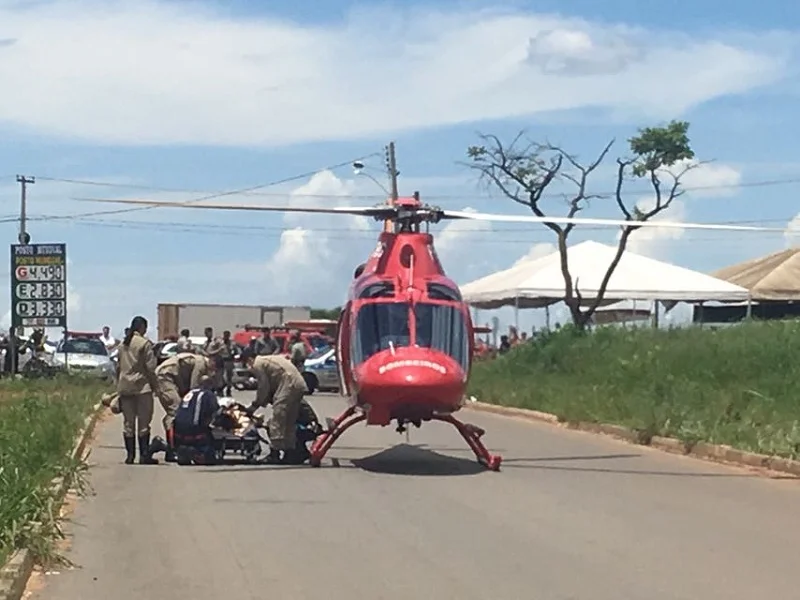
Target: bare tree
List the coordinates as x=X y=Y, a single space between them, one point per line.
x=524 y=170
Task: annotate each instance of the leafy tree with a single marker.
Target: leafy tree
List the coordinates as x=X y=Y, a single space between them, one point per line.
x=326 y=313
x=523 y=170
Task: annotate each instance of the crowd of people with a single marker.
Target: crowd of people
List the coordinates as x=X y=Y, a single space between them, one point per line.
x=485 y=350
x=183 y=380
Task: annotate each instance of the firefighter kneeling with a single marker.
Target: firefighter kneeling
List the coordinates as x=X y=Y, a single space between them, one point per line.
x=191 y=428
x=177 y=376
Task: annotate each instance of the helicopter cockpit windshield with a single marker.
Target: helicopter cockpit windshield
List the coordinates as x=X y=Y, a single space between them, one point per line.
x=443 y=327
x=380 y=326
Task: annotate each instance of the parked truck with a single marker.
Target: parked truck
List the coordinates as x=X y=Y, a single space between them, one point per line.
x=172 y=318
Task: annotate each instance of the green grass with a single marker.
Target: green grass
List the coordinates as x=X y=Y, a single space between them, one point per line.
x=738 y=386
x=38 y=424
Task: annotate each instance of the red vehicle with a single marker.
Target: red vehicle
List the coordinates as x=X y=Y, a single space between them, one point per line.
x=405 y=339
x=311 y=339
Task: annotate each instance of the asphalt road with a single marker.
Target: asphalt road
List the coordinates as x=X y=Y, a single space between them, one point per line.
x=571 y=516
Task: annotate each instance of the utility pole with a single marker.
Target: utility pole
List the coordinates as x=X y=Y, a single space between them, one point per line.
x=391 y=167
x=24 y=237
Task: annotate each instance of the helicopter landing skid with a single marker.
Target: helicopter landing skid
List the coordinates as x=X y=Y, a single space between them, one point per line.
x=472 y=435
x=336 y=427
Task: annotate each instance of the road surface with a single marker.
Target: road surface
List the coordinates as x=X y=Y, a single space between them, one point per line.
x=571 y=516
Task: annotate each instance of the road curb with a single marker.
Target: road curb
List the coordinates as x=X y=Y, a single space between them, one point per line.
x=702 y=450
x=15 y=573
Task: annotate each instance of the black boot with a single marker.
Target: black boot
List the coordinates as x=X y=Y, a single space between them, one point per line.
x=145 y=458
x=130 y=448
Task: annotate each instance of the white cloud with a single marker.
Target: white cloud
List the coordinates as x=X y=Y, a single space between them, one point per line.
x=536 y=251
x=705 y=181
x=460 y=260
x=316 y=258
x=655 y=241
x=792 y=235
x=155 y=72
x=710 y=180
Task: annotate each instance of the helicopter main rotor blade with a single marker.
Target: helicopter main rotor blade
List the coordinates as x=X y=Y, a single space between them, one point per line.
x=378 y=212
x=475 y=216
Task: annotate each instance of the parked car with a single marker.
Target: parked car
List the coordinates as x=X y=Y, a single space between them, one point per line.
x=243 y=379
x=85 y=355
x=321 y=372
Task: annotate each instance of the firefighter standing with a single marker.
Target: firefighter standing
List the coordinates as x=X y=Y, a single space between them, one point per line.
x=177 y=376
x=297 y=351
x=136 y=385
x=268 y=345
x=213 y=349
x=228 y=355
x=279 y=384
x=184 y=343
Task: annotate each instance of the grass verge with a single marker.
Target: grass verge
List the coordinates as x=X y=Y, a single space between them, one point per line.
x=737 y=386
x=39 y=420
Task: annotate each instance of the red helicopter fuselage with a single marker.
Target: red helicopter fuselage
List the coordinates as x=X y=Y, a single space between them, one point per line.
x=404 y=341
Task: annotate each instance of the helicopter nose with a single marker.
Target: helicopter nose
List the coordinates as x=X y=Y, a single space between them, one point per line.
x=422 y=372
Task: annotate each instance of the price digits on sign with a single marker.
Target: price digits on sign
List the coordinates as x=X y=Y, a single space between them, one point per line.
x=40 y=291
x=41 y=273
x=40 y=308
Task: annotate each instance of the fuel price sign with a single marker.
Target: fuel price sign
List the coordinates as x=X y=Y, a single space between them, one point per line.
x=39 y=285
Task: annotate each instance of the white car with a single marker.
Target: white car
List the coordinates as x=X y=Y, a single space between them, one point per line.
x=320 y=371
x=85 y=355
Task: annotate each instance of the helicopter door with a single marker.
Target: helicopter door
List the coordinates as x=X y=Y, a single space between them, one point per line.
x=343 y=349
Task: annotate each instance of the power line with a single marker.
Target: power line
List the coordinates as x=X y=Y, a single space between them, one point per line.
x=252 y=191
x=214 y=195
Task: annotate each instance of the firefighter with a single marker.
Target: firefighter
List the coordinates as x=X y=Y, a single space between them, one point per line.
x=184 y=343
x=136 y=385
x=279 y=384
x=297 y=351
x=213 y=348
x=177 y=376
x=268 y=345
x=228 y=357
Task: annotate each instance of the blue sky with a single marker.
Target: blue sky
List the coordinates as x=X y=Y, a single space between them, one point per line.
x=205 y=97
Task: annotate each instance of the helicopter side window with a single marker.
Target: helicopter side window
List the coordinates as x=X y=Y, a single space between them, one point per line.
x=379 y=327
x=443 y=328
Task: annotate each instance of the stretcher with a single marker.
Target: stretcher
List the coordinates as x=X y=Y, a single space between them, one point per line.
x=233 y=431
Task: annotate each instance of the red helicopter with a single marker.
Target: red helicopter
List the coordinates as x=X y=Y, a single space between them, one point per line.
x=405 y=338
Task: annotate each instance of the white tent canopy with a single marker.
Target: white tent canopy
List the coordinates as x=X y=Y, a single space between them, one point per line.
x=539 y=282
